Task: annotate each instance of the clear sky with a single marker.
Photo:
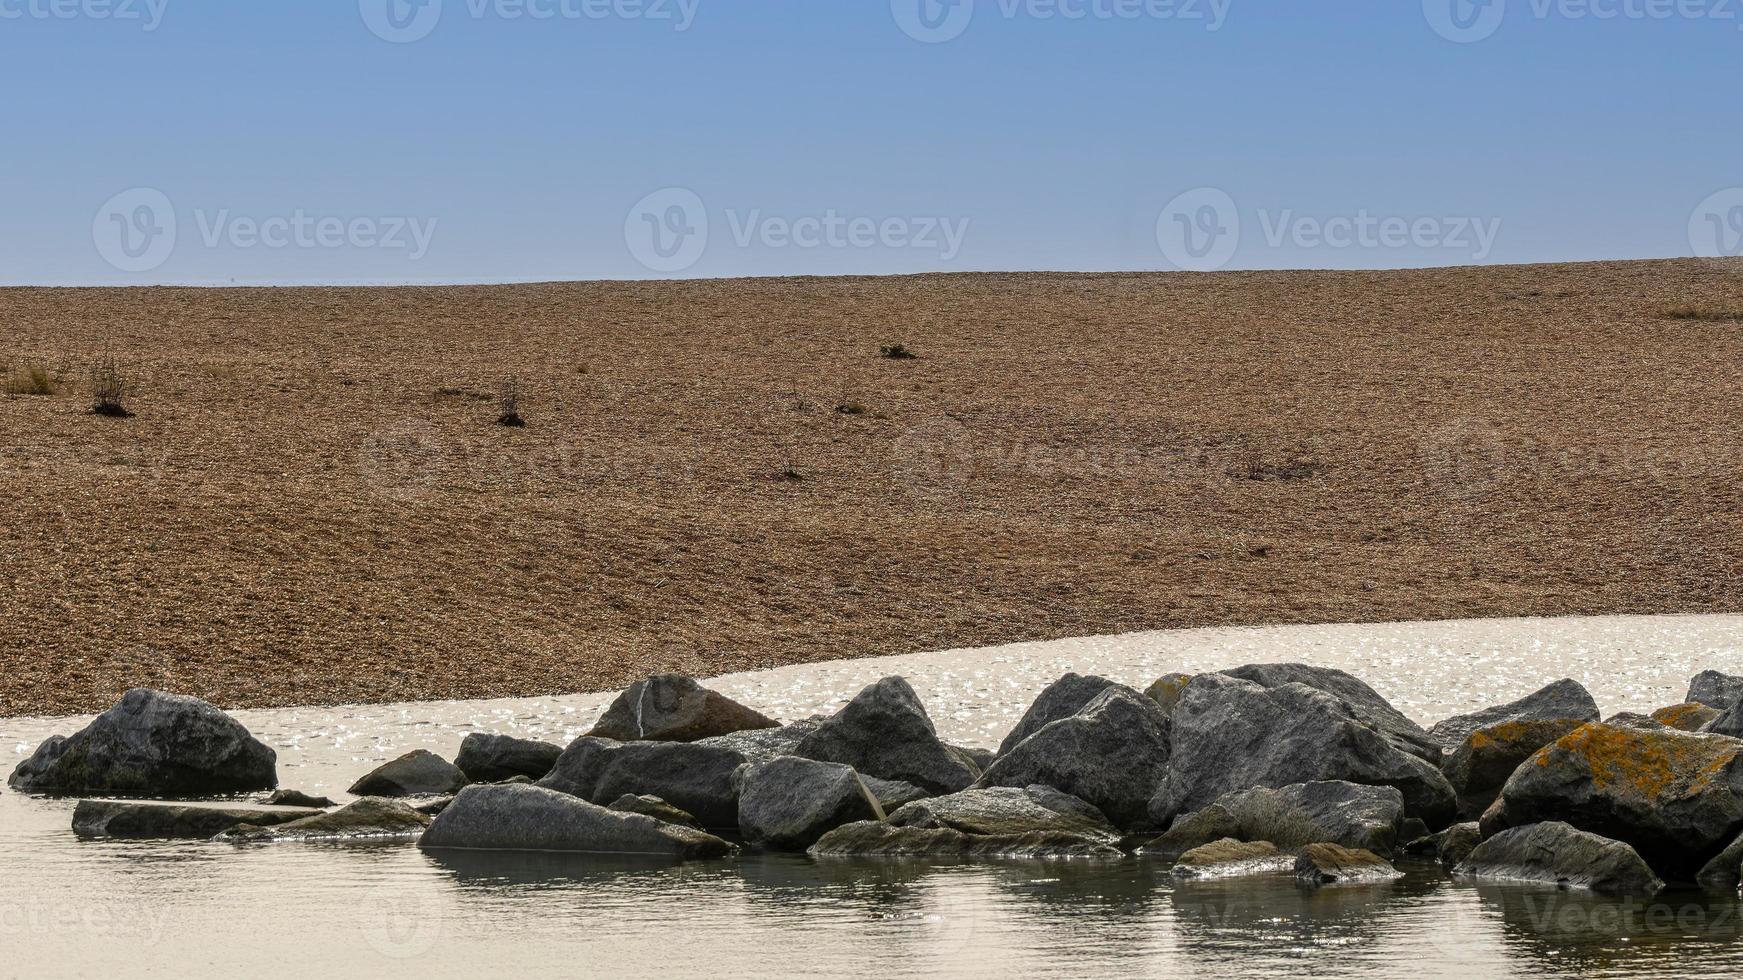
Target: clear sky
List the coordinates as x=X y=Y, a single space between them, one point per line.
x=267 y=141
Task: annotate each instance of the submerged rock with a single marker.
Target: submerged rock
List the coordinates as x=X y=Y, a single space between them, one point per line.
x=674 y=708
x=1231 y=735
x=1329 y=864
x=882 y=840
x=885 y=732
x=1362 y=701
x=692 y=776
x=788 y=803
x=497 y=758
x=1112 y=754
x=1229 y=858
x=1348 y=814
x=653 y=806
x=131 y=820
x=1061 y=699
x=419 y=773
x=528 y=818
x=371 y=819
x=1007 y=812
x=152 y=745
x=1675 y=797
x=1715 y=690
x=1565 y=700
x=1691 y=717
x=1457 y=843
x=292 y=797
x=1556 y=853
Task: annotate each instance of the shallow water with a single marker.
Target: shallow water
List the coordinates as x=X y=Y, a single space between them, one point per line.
x=72 y=908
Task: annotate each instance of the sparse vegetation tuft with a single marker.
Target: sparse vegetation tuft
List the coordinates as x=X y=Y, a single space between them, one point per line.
x=109 y=389
x=509 y=402
x=897 y=352
x=1705 y=313
x=30 y=379
x=852 y=408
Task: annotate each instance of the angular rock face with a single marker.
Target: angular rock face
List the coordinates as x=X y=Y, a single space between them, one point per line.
x=653 y=806
x=674 y=708
x=1062 y=699
x=885 y=732
x=1347 y=814
x=1488 y=756
x=1556 y=853
x=417 y=773
x=788 y=803
x=1230 y=858
x=1363 y=702
x=1007 y=812
x=153 y=745
x=141 y=821
x=1112 y=754
x=1166 y=691
x=763 y=744
x=1729 y=723
x=365 y=820
x=693 y=777
x=873 y=839
x=1715 y=690
x=496 y=758
x=1565 y=700
x=1724 y=872
x=527 y=818
x=1457 y=844
x=1329 y=864
x=1676 y=798
x=1691 y=717
x=1230 y=735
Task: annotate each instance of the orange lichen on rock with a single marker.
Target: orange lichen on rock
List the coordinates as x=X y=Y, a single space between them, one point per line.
x=1689 y=717
x=1651 y=764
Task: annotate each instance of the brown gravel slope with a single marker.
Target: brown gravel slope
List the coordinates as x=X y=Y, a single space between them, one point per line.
x=314 y=505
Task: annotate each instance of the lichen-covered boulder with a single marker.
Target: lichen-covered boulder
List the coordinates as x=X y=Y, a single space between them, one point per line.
x=1715 y=690
x=1167 y=690
x=368 y=820
x=1675 y=797
x=498 y=758
x=1362 y=701
x=141 y=821
x=885 y=732
x=788 y=803
x=1230 y=735
x=1348 y=814
x=674 y=708
x=419 y=773
x=1563 y=701
x=1329 y=864
x=1487 y=757
x=1112 y=754
x=1555 y=853
x=528 y=818
x=151 y=744
x=1229 y=858
x=1062 y=699
x=1690 y=717
x=693 y=777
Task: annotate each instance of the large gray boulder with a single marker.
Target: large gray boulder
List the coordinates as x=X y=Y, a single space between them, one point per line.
x=763 y=744
x=1348 y=814
x=419 y=773
x=1555 y=853
x=1715 y=690
x=528 y=818
x=1675 y=797
x=885 y=732
x=1363 y=701
x=674 y=708
x=140 y=821
x=497 y=758
x=151 y=744
x=1008 y=812
x=1231 y=735
x=1488 y=756
x=693 y=777
x=368 y=820
x=1062 y=699
x=788 y=803
x=1563 y=701
x=1112 y=754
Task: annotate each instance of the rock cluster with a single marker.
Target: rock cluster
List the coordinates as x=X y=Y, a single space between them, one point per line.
x=1278 y=769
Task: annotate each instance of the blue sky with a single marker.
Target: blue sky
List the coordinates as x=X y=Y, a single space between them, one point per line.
x=269 y=141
